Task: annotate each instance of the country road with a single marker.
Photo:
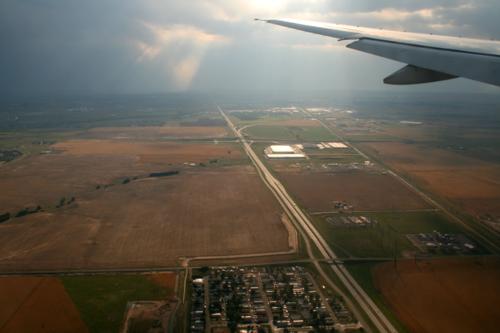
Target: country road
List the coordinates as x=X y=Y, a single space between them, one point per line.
x=493 y=247
x=374 y=314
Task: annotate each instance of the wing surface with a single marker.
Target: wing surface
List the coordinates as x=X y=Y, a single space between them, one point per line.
x=428 y=57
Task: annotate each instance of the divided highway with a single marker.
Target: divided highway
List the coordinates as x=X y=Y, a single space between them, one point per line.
x=374 y=314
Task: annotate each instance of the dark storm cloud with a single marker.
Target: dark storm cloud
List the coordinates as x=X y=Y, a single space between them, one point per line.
x=151 y=45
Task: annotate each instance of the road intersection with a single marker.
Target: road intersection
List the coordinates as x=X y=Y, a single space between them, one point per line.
x=369 y=308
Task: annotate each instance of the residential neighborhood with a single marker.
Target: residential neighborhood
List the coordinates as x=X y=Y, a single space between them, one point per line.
x=265 y=299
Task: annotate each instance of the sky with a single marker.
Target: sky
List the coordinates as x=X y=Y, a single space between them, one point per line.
x=156 y=46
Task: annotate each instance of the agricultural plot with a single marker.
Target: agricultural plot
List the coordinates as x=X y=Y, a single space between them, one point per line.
x=114 y=203
x=385 y=238
x=443 y=295
x=361 y=190
x=468 y=183
x=33 y=304
x=255 y=116
x=156 y=132
x=287 y=133
x=81 y=165
x=102 y=299
x=151 y=222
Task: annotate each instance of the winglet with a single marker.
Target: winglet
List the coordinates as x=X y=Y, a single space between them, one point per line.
x=413 y=75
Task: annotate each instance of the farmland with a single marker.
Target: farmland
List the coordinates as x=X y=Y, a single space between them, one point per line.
x=155 y=132
x=453 y=294
x=76 y=303
x=30 y=304
x=466 y=182
x=81 y=165
x=165 y=153
x=114 y=202
x=158 y=189
x=281 y=132
x=362 y=190
x=150 y=223
x=386 y=237
x=102 y=299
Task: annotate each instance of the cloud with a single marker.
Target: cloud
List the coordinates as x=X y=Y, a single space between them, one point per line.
x=178 y=48
x=322 y=47
x=146 y=51
x=156 y=46
x=392 y=14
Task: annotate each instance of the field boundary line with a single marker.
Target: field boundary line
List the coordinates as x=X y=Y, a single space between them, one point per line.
x=422 y=194
x=24 y=301
x=376 y=317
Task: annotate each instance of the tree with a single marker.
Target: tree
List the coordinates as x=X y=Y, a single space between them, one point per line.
x=4 y=217
x=233 y=312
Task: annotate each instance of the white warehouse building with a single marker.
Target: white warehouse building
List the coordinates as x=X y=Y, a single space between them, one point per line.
x=284 y=151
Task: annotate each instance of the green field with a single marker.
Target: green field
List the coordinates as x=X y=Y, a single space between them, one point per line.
x=102 y=299
x=256 y=117
x=289 y=133
x=335 y=158
x=31 y=142
x=385 y=238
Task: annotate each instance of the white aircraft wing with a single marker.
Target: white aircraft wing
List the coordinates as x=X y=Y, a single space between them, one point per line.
x=429 y=58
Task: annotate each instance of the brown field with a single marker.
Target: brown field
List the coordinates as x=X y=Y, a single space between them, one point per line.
x=156 y=132
x=166 y=151
x=421 y=132
x=434 y=131
x=201 y=211
x=471 y=184
x=150 y=222
x=362 y=190
x=30 y=304
x=443 y=295
x=82 y=165
x=165 y=280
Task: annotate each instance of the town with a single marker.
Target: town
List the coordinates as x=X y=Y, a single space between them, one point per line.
x=266 y=299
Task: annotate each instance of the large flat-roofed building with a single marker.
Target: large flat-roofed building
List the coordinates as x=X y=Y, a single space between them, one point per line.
x=286 y=155
x=284 y=151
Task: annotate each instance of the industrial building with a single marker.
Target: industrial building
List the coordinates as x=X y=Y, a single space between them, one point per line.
x=337 y=145
x=284 y=151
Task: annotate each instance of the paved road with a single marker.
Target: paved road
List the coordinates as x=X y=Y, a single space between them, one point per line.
x=492 y=246
x=376 y=316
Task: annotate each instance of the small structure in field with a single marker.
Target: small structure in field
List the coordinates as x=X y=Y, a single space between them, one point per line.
x=329 y=145
x=338 y=145
x=351 y=221
x=443 y=243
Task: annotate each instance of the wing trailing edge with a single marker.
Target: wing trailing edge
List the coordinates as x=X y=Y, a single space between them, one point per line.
x=430 y=58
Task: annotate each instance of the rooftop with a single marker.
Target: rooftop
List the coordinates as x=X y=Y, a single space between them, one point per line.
x=282 y=149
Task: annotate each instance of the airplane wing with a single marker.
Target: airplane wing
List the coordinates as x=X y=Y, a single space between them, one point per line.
x=429 y=58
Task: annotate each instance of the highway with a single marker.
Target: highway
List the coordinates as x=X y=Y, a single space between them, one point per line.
x=365 y=303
